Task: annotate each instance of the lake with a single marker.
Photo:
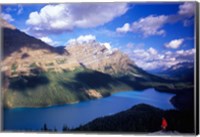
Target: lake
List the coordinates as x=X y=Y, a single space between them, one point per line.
x=73 y=115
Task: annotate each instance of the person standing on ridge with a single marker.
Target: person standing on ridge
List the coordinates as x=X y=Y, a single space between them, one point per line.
x=164 y=124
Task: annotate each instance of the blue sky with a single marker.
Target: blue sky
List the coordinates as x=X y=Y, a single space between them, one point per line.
x=154 y=35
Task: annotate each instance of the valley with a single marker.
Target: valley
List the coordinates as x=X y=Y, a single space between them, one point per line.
x=117 y=67
x=36 y=74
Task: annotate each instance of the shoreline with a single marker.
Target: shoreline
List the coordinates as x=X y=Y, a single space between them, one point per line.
x=76 y=102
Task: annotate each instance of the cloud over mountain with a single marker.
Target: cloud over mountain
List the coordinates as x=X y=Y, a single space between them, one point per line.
x=82 y=39
x=7 y=17
x=151 y=59
x=65 y=17
x=49 y=41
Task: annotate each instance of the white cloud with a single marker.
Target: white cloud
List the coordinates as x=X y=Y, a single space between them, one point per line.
x=7 y=17
x=82 y=39
x=107 y=45
x=185 y=54
x=174 y=44
x=148 y=26
x=8 y=9
x=151 y=59
x=153 y=25
x=65 y=17
x=187 y=9
x=124 y=29
x=152 y=51
x=20 y=10
x=49 y=41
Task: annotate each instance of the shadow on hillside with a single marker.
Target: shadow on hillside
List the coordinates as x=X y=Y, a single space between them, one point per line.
x=23 y=83
x=96 y=79
x=136 y=84
x=72 y=86
x=77 y=88
x=149 y=76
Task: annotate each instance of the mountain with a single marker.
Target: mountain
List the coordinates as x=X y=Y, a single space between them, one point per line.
x=5 y=24
x=181 y=71
x=36 y=74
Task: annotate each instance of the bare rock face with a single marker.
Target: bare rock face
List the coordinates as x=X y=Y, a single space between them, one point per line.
x=5 y=24
x=22 y=53
x=98 y=57
x=93 y=93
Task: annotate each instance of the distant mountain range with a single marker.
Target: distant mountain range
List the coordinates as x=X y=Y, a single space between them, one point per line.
x=36 y=74
x=181 y=71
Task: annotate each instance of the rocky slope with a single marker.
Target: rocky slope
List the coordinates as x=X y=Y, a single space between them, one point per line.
x=23 y=52
x=36 y=74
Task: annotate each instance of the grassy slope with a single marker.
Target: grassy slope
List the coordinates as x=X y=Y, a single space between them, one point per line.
x=51 y=88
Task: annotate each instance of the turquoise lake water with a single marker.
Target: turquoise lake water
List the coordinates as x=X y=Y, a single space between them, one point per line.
x=74 y=115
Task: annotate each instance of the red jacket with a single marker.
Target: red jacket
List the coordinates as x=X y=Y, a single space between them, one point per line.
x=164 y=123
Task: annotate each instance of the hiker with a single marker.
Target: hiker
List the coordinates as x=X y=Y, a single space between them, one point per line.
x=164 y=124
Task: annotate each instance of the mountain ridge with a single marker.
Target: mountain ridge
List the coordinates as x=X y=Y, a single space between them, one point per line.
x=37 y=74
x=182 y=71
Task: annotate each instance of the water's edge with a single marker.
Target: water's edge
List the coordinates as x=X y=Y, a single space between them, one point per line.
x=74 y=115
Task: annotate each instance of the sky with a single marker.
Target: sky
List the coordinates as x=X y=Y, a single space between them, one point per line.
x=156 y=36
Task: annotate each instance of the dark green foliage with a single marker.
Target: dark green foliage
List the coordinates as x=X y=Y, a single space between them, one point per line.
x=142 y=118
x=56 y=88
x=27 y=82
x=70 y=86
x=33 y=65
x=14 y=67
x=184 y=100
x=65 y=128
x=182 y=121
x=136 y=83
x=95 y=79
x=46 y=129
x=36 y=71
